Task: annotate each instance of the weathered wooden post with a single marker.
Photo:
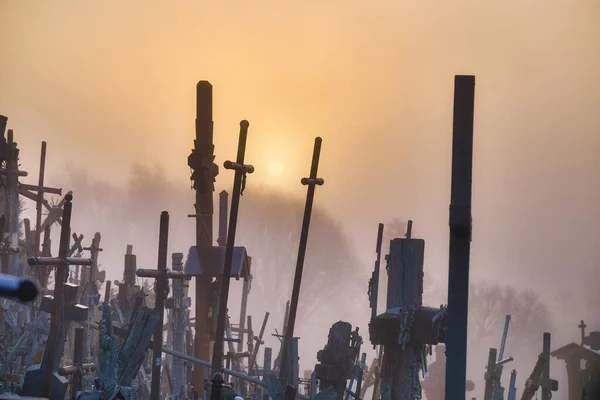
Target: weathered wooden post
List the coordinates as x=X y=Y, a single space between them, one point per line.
x=161 y=275
x=204 y=172
x=460 y=236
x=241 y=170
x=407 y=327
x=374 y=282
x=38 y=203
x=312 y=181
x=546 y=374
x=50 y=360
x=259 y=342
x=491 y=375
x=179 y=303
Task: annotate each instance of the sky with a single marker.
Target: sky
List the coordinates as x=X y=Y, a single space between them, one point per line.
x=109 y=84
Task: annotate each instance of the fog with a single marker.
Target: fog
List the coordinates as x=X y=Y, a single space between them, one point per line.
x=112 y=84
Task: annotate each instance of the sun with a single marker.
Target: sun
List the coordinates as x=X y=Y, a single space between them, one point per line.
x=275 y=169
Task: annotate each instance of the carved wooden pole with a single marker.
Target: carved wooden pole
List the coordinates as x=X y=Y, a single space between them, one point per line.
x=201 y=161
x=460 y=236
x=241 y=170
x=312 y=181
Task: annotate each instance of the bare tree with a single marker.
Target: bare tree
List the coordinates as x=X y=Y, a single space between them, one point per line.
x=490 y=303
x=269 y=227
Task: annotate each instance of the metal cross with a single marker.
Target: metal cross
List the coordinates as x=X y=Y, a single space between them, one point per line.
x=582 y=326
x=241 y=170
x=312 y=181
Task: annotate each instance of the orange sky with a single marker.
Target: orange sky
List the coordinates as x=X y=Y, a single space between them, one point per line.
x=111 y=83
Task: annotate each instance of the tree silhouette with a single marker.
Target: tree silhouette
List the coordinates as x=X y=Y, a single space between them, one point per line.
x=334 y=282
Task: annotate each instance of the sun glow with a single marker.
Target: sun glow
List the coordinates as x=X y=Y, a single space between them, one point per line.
x=275 y=169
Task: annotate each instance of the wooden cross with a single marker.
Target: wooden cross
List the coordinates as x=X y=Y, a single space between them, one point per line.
x=161 y=275
x=50 y=362
x=259 y=341
x=241 y=170
x=582 y=326
x=76 y=247
x=312 y=181
x=36 y=194
x=78 y=368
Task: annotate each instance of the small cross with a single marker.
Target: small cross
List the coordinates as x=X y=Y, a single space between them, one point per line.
x=582 y=326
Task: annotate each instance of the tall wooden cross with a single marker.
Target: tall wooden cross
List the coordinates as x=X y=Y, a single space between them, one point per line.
x=162 y=275
x=312 y=182
x=241 y=170
x=460 y=236
x=62 y=262
x=36 y=194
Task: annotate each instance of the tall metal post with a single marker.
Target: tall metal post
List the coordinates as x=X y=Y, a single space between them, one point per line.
x=241 y=170
x=460 y=237
x=312 y=181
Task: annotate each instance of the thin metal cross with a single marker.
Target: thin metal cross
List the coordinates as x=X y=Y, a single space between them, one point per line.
x=582 y=326
x=241 y=170
x=312 y=181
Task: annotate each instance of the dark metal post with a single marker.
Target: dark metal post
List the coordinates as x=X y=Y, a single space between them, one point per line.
x=460 y=237
x=241 y=170
x=311 y=182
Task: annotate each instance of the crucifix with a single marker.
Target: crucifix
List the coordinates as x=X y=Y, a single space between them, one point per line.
x=239 y=181
x=312 y=181
x=460 y=236
x=62 y=262
x=582 y=326
x=161 y=275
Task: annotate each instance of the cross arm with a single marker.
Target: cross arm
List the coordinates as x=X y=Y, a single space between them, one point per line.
x=33 y=188
x=504 y=361
x=244 y=168
x=312 y=181
x=50 y=261
x=164 y=274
